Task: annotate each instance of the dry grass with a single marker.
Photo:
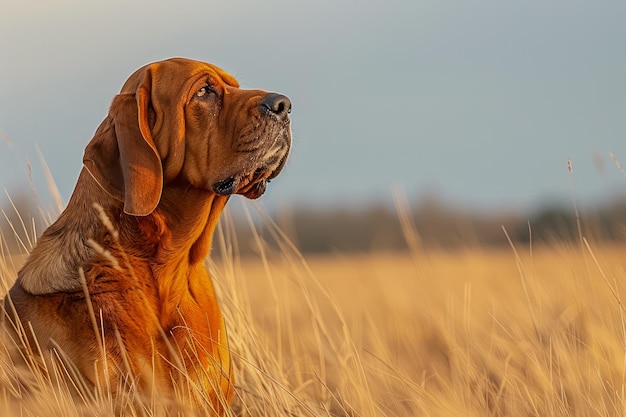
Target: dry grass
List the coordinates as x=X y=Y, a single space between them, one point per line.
x=518 y=332
x=440 y=334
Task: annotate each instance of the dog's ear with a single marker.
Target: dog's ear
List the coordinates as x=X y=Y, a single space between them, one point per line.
x=122 y=156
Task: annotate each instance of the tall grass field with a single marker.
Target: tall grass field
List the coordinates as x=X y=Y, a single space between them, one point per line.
x=520 y=331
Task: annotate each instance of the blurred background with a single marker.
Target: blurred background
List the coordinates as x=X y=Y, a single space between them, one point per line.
x=463 y=114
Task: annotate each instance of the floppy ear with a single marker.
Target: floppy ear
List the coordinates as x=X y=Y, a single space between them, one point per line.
x=122 y=156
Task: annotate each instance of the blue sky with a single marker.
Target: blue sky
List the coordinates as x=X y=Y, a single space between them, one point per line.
x=480 y=102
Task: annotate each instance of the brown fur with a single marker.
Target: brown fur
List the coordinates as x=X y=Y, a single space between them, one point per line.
x=152 y=167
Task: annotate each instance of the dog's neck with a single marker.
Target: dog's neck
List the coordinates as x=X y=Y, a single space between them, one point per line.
x=185 y=220
x=177 y=235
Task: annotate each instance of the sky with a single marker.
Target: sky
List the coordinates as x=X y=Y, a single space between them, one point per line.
x=481 y=103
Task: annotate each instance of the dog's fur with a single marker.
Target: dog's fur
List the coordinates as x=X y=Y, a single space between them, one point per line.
x=122 y=282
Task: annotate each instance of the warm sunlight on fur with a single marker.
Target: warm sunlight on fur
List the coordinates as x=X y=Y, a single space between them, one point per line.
x=509 y=332
x=115 y=294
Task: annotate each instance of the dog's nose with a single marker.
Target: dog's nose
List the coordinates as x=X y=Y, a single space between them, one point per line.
x=276 y=103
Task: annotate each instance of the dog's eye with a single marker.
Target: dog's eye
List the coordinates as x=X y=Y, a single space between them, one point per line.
x=205 y=91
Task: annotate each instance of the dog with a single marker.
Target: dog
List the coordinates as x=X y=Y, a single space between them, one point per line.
x=117 y=286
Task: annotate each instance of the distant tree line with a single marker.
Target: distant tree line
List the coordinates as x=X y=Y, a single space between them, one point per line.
x=429 y=224
x=435 y=225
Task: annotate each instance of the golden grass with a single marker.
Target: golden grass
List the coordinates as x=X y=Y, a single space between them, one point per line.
x=522 y=331
x=440 y=334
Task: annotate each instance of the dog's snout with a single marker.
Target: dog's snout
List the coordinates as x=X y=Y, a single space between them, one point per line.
x=277 y=104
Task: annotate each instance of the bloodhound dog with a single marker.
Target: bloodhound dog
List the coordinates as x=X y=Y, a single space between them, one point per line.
x=118 y=283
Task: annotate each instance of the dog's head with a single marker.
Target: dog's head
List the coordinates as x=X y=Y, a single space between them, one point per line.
x=187 y=122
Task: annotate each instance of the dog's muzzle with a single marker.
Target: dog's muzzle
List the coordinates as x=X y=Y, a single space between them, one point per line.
x=252 y=184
